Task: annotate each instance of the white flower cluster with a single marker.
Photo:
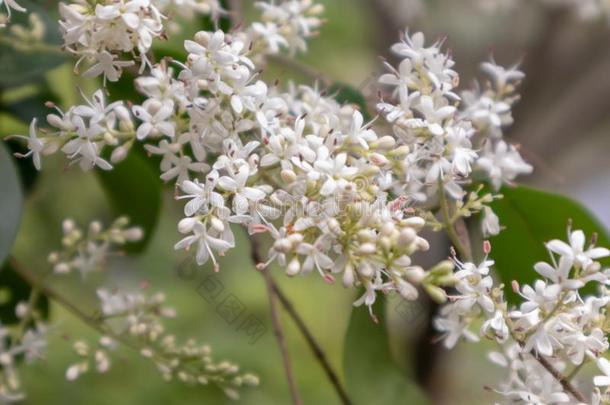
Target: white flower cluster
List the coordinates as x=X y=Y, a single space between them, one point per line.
x=24 y=340
x=104 y=33
x=83 y=132
x=336 y=194
x=97 y=355
x=286 y=25
x=448 y=136
x=136 y=320
x=556 y=328
x=88 y=252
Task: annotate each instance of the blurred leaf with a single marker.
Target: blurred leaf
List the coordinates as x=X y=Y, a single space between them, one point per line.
x=371 y=375
x=11 y=202
x=134 y=189
x=533 y=217
x=14 y=290
x=344 y=93
x=18 y=67
x=32 y=106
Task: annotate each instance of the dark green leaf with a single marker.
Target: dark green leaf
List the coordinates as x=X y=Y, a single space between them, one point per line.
x=134 y=189
x=33 y=106
x=531 y=218
x=371 y=375
x=14 y=290
x=19 y=67
x=344 y=93
x=11 y=202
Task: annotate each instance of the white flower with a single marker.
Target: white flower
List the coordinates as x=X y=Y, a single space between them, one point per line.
x=35 y=145
x=453 y=328
x=106 y=64
x=496 y=327
x=155 y=117
x=560 y=274
x=490 y=223
x=201 y=194
x=206 y=244
x=576 y=252
x=242 y=194
x=502 y=163
x=83 y=148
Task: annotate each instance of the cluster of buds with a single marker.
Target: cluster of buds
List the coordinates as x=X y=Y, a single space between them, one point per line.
x=27 y=339
x=556 y=329
x=97 y=357
x=88 y=251
x=136 y=319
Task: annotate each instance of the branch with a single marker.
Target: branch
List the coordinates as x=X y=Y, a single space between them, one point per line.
x=279 y=337
x=309 y=338
x=565 y=382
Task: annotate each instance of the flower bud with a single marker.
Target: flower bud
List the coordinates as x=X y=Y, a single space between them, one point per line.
x=294 y=267
x=186 y=225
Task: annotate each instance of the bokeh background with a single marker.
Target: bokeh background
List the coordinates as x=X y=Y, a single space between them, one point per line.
x=562 y=124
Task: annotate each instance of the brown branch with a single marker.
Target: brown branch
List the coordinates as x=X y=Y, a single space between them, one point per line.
x=309 y=338
x=565 y=382
x=279 y=337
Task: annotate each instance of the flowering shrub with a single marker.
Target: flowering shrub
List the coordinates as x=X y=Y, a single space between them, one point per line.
x=338 y=193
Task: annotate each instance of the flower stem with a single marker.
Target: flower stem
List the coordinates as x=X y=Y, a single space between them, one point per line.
x=464 y=253
x=279 y=337
x=309 y=338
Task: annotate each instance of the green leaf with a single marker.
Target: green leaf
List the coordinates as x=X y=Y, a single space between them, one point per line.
x=371 y=375
x=14 y=290
x=344 y=93
x=134 y=189
x=533 y=217
x=32 y=106
x=19 y=67
x=11 y=202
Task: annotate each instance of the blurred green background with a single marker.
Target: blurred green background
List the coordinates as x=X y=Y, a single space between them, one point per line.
x=356 y=34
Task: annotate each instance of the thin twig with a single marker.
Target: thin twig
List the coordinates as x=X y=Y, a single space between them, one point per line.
x=565 y=383
x=279 y=337
x=453 y=236
x=300 y=323
x=277 y=326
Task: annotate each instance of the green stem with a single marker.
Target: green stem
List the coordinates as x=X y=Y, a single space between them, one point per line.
x=449 y=228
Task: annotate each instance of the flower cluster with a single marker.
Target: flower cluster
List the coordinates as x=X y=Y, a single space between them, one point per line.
x=114 y=34
x=555 y=329
x=286 y=25
x=25 y=340
x=337 y=194
x=448 y=136
x=88 y=252
x=136 y=320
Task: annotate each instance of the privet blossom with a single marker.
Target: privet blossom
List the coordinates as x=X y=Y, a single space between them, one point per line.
x=340 y=194
x=124 y=318
x=555 y=321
